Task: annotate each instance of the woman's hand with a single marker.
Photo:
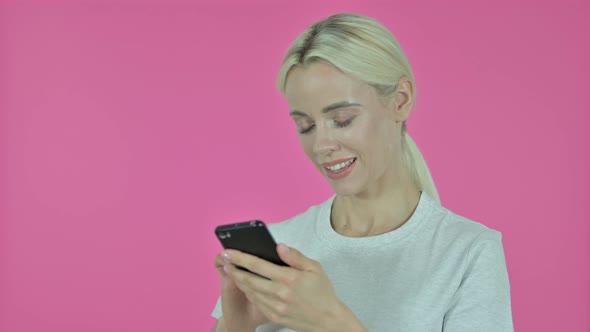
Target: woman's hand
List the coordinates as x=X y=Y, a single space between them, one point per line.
x=239 y=314
x=299 y=296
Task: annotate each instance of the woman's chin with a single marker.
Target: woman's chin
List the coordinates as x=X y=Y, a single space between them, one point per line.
x=345 y=189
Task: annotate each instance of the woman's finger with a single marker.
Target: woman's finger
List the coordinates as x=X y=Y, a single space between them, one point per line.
x=254 y=264
x=250 y=282
x=219 y=261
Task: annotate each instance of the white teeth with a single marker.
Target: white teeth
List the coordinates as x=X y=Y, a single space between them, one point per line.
x=340 y=166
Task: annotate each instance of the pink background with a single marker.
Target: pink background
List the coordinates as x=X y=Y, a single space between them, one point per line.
x=129 y=129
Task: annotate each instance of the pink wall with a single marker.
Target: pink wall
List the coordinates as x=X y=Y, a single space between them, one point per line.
x=129 y=129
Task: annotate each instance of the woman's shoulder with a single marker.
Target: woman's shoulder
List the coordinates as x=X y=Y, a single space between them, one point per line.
x=453 y=226
x=302 y=222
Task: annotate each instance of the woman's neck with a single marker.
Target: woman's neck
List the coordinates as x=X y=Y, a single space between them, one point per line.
x=370 y=215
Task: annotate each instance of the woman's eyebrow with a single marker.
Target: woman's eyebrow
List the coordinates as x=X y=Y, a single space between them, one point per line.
x=328 y=108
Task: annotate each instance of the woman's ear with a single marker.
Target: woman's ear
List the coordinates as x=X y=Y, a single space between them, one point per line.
x=402 y=100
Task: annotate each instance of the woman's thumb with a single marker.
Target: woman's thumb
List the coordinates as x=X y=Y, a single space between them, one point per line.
x=293 y=257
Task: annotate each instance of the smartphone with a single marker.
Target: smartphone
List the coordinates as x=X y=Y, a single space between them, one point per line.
x=251 y=237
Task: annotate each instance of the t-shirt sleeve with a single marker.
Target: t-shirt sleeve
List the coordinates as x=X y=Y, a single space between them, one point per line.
x=482 y=300
x=217 y=310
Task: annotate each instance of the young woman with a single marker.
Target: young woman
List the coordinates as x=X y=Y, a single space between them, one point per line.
x=382 y=254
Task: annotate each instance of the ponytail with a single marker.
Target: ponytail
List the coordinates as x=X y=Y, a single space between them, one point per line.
x=417 y=166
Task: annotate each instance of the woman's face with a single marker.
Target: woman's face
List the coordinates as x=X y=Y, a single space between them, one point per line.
x=345 y=129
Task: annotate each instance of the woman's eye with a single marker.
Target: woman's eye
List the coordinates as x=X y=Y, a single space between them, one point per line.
x=306 y=130
x=341 y=124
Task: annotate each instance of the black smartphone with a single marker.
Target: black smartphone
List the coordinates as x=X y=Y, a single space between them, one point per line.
x=251 y=237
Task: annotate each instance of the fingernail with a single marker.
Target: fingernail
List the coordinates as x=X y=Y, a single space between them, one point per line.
x=226 y=269
x=226 y=257
x=286 y=248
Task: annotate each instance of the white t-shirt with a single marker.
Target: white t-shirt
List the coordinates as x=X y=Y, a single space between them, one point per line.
x=437 y=272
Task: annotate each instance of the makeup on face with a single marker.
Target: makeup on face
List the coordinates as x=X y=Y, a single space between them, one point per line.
x=340 y=117
x=338 y=169
x=342 y=125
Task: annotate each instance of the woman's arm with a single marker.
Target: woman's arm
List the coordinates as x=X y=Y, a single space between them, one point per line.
x=219 y=326
x=342 y=320
x=482 y=301
x=216 y=327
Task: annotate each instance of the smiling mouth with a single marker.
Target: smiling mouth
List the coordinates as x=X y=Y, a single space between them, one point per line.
x=341 y=166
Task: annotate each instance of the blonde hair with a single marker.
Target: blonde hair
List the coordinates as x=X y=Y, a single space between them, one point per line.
x=364 y=49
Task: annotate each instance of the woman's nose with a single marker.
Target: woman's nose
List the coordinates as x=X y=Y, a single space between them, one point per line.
x=324 y=141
